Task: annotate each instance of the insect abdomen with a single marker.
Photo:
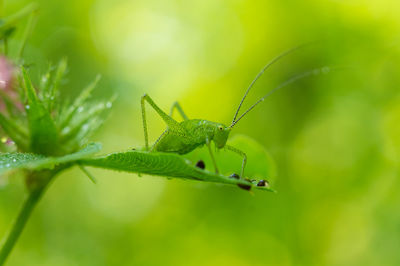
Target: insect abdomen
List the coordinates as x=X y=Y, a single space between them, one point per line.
x=190 y=135
x=171 y=142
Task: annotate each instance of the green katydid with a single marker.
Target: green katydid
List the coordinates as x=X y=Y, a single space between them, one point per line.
x=183 y=137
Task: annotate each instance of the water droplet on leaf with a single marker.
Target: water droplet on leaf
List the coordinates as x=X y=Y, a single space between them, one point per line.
x=262 y=183
x=234 y=175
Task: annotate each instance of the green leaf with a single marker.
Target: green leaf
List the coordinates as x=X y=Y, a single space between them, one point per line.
x=14 y=131
x=43 y=131
x=162 y=164
x=51 y=83
x=83 y=123
x=11 y=107
x=12 y=161
x=68 y=114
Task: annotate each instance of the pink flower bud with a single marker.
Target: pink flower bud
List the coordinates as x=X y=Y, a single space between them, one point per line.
x=7 y=83
x=6 y=74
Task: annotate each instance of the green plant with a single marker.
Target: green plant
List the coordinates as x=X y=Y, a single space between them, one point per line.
x=48 y=136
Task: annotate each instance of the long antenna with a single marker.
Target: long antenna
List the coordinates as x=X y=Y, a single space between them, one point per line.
x=316 y=71
x=270 y=63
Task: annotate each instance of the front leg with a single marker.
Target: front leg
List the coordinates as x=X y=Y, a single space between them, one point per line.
x=241 y=154
x=208 y=143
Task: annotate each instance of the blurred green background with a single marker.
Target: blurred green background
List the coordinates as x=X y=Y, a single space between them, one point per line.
x=335 y=138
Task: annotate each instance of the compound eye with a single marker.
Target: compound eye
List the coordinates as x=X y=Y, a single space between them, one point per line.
x=220 y=128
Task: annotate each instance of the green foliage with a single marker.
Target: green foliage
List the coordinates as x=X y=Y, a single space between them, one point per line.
x=9 y=24
x=42 y=128
x=48 y=137
x=162 y=164
x=30 y=161
x=47 y=128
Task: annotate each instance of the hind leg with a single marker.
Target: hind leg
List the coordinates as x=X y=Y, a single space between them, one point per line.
x=167 y=119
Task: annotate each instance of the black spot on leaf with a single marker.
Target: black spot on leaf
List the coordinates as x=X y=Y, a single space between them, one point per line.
x=200 y=164
x=245 y=187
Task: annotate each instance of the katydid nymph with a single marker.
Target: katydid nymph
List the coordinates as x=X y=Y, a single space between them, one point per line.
x=183 y=137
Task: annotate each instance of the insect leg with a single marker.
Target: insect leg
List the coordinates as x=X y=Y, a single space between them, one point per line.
x=212 y=156
x=178 y=107
x=146 y=137
x=167 y=119
x=241 y=154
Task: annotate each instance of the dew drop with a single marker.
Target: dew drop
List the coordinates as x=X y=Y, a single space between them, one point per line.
x=108 y=105
x=234 y=175
x=14 y=160
x=27 y=107
x=80 y=109
x=8 y=165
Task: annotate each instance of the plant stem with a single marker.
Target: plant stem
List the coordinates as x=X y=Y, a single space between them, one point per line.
x=19 y=224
